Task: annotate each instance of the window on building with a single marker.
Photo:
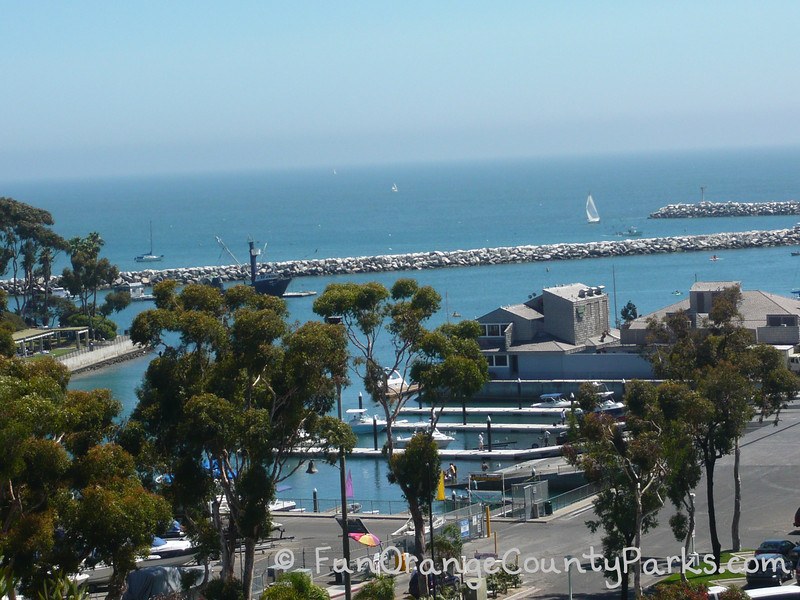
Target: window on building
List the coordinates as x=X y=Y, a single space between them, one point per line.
x=497 y=360
x=781 y=320
x=493 y=329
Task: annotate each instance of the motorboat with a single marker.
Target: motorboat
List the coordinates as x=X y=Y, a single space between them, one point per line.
x=630 y=232
x=601 y=391
x=442 y=440
x=276 y=505
x=408 y=528
x=554 y=400
x=163 y=553
x=360 y=422
x=610 y=407
x=395 y=381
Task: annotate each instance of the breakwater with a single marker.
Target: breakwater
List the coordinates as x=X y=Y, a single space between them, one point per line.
x=726 y=209
x=468 y=258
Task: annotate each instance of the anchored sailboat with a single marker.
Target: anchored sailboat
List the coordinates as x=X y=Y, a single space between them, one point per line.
x=149 y=257
x=592 y=216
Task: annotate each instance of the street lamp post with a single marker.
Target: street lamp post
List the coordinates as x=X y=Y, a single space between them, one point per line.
x=430 y=523
x=694 y=559
x=343 y=483
x=343 y=489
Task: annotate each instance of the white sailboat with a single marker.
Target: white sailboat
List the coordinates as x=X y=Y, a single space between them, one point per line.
x=150 y=257
x=592 y=216
x=394 y=187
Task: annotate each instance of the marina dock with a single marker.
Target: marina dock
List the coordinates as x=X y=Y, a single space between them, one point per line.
x=502 y=454
x=487 y=410
x=553 y=428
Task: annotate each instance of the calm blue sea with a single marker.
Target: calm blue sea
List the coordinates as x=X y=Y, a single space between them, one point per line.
x=339 y=212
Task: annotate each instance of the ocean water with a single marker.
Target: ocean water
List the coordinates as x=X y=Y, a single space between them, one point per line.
x=353 y=212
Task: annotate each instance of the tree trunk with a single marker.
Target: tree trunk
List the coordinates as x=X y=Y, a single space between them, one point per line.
x=116 y=585
x=419 y=530
x=623 y=588
x=637 y=568
x=389 y=423
x=716 y=548
x=225 y=556
x=736 y=543
x=687 y=544
x=247 y=567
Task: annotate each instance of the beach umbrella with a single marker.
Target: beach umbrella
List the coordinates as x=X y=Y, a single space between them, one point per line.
x=367 y=539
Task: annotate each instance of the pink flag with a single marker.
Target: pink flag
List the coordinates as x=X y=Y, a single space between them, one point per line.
x=348 y=485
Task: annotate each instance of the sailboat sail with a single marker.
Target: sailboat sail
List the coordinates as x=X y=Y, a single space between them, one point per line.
x=592 y=216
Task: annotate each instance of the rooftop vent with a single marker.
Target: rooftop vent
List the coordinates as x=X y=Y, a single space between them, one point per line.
x=581 y=293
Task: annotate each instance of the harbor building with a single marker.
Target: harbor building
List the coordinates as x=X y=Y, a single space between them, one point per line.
x=770 y=319
x=563 y=333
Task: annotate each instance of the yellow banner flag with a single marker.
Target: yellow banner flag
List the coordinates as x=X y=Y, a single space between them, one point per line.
x=440 y=487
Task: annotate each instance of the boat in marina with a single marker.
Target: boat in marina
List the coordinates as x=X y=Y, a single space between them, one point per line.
x=592 y=216
x=601 y=390
x=610 y=407
x=163 y=553
x=149 y=257
x=442 y=440
x=361 y=422
x=554 y=400
x=269 y=283
x=606 y=403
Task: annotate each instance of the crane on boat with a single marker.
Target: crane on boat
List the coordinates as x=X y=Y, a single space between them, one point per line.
x=228 y=250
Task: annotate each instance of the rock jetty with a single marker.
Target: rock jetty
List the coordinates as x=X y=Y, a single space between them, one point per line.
x=470 y=258
x=727 y=209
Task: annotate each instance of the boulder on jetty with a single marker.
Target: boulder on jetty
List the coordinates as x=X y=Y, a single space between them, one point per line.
x=727 y=209
x=462 y=258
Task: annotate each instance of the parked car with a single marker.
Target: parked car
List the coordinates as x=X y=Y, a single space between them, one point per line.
x=797 y=518
x=768 y=569
x=785 y=548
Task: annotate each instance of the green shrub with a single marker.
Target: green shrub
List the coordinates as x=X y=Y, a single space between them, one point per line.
x=380 y=588
x=224 y=589
x=734 y=593
x=294 y=586
x=680 y=591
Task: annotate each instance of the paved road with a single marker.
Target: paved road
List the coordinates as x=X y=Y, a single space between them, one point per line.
x=770 y=463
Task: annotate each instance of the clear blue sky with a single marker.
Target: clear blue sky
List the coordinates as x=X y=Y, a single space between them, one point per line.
x=104 y=88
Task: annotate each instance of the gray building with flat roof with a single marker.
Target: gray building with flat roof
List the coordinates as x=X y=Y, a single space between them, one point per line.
x=562 y=333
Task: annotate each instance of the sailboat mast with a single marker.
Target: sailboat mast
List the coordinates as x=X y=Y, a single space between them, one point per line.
x=151 y=237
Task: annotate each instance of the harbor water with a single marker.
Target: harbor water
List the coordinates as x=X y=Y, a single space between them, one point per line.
x=354 y=212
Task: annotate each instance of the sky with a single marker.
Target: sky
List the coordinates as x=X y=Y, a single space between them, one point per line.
x=98 y=88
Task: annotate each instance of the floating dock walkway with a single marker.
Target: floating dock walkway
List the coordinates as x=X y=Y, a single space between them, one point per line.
x=504 y=454
x=481 y=427
x=487 y=410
